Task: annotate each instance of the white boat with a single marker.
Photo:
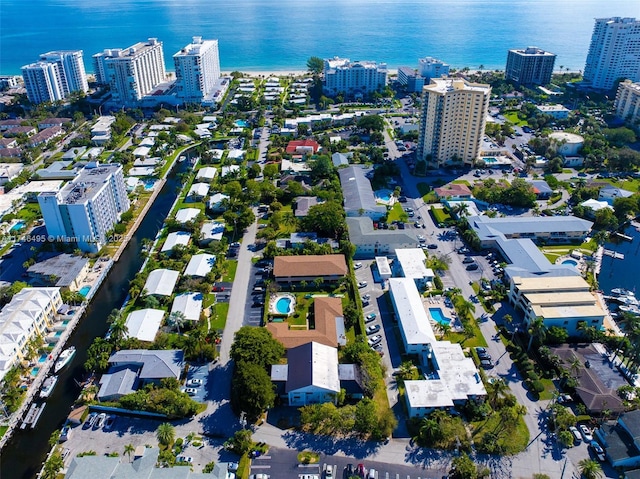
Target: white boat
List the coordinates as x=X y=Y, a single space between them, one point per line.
x=47 y=386
x=64 y=358
x=620 y=292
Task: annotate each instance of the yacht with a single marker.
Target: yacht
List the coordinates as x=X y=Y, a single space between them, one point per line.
x=47 y=386
x=64 y=358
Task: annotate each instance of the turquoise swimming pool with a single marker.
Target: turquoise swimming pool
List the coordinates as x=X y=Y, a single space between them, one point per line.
x=283 y=305
x=490 y=159
x=570 y=262
x=35 y=371
x=438 y=316
x=241 y=123
x=383 y=195
x=149 y=184
x=18 y=226
x=84 y=291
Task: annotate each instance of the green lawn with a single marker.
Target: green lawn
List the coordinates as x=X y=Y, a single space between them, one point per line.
x=513 y=442
x=232 y=266
x=440 y=215
x=222 y=309
x=397 y=214
x=423 y=188
x=3 y=430
x=512 y=117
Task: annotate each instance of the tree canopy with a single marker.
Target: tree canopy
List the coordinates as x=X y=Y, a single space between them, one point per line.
x=326 y=219
x=252 y=391
x=257 y=346
x=315 y=65
x=371 y=123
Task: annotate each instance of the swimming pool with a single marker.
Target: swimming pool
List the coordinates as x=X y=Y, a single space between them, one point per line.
x=241 y=123
x=570 y=262
x=490 y=160
x=438 y=316
x=84 y=291
x=283 y=305
x=35 y=371
x=383 y=195
x=18 y=226
x=42 y=358
x=149 y=184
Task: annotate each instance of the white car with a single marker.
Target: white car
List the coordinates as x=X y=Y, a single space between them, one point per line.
x=576 y=433
x=182 y=458
x=194 y=382
x=328 y=471
x=357 y=266
x=586 y=433
x=191 y=391
x=370 y=317
x=373 y=340
x=362 y=284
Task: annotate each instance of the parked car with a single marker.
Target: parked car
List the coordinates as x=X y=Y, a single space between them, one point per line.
x=99 y=421
x=357 y=266
x=373 y=340
x=486 y=363
x=597 y=450
x=194 y=382
x=362 y=284
x=576 y=433
x=233 y=466
x=366 y=297
x=370 y=317
x=483 y=353
x=91 y=418
x=472 y=267
x=182 y=458
x=565 y=398
x=350 y=469
x=374 y=328
x=191 y=391
x=408 y=209
x=108 y=424
x=360 y=470
x=328 y=471
x=586 y=433
x=402 y=199
x=432 y=246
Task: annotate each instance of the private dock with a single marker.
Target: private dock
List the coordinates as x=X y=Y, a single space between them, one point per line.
x=613 y=254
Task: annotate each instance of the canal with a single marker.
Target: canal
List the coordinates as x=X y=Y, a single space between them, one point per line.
x=24 y=454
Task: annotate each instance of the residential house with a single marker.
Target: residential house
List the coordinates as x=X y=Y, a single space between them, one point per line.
x=359 y=199
x=610 y=193
x=161 y=282
x=177 y=238
x=189 y=304
x=289 y=269
x=453 y=191
x=186 y=215
x=302 y=147
x=144 y=324
x=370 y=242
x=541 y=189
x=621 y=440
x=341 y=159
x=200 y=265
x=198 y=191
x=211 y=231
x=303 y=204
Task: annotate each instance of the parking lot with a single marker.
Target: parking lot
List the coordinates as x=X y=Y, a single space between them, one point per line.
x=198 y=373
x=283 y=464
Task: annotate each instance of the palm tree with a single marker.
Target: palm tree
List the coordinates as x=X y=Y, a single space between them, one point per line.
x=495 y=389
x=176 y=319
x=590 y=469
x=128 y=449
x=465 y=308
x=165 y=434
x=537 y=329
x=118 y=331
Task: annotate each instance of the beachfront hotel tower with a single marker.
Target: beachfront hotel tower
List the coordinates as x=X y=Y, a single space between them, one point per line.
x=86 y=209
x=131 y=73
x=614 y=53
x=55 y=76
x=452 y=122
x=197 y=70
x=353 y=79
x=531 y=66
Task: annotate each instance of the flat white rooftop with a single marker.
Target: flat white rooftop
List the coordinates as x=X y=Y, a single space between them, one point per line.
x=412 y=316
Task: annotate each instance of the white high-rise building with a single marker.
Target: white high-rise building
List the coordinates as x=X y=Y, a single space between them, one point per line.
x=131 y=73
x=71 y=63
x=452 y=122
x=627 y=102
x=353 y=78
x=429 y=68
x=44 y=82
x=197 y=70
x=86 y=209
x=614 y=52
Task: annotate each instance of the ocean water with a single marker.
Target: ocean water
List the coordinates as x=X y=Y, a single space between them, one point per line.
x=283 y=34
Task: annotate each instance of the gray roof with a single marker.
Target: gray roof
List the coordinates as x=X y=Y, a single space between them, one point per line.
x=541 y=185
x=65 y=267
x=156 y=364
x=524 y=255
x=490 y=228
x=200 y=264
x=279 y=372
x=313 y=364
x=341 y=159
x=357 y=191
x=95 y=467
x=117 y=382
x=361 y=232
x=303 y=203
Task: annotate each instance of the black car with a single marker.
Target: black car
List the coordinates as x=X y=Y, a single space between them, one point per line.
x=350 y=469
x=432 y=246
x=402 y=199
x=468 y=260
x=472 y=267
x=483 y=353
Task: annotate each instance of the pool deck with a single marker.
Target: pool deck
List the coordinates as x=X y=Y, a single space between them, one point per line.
x=438 y=302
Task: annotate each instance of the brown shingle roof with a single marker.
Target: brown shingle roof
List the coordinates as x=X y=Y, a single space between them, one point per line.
x=453 y=189
x=309 y=266
x=325 y=312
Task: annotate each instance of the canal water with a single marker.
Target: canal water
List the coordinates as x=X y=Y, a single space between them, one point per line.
x=23 y=455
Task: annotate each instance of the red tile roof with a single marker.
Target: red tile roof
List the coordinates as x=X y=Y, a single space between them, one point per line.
x=294 y=145
x=453 y=189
